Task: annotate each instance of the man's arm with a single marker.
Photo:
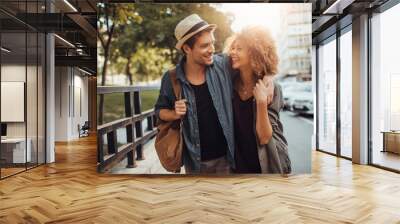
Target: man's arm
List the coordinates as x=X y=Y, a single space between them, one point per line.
x=177 y=113
x=166 y=98
x=166 y=107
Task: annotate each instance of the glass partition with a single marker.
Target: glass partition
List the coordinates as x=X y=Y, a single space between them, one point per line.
x=346 y=94
x=22 y=88
x=15 y=151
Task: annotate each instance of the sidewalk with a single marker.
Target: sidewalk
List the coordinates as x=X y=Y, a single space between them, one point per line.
x=150 y=165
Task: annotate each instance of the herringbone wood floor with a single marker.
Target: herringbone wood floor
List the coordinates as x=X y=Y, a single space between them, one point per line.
x=70 y=191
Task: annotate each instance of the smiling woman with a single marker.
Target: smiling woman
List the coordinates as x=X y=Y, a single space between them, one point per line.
x=261 y=146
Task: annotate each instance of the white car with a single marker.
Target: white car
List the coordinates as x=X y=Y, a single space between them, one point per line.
x=302 y=101
x=289 y=90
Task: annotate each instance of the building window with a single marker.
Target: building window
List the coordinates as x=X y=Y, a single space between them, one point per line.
x=346 y=94
x=385 y=89
x=327 y=96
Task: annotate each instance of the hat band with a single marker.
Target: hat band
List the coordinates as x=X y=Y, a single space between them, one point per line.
x=195 y=27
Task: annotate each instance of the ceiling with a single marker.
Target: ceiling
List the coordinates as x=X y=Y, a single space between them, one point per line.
x=75 y=21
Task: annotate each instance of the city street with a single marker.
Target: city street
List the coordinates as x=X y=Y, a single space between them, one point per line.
x=298 y=130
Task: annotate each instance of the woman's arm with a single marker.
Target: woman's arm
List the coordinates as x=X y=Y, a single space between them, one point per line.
x=263 y=124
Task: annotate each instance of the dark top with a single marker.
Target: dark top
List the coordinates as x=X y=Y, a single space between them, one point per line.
x=212 y=140
x=246 y=154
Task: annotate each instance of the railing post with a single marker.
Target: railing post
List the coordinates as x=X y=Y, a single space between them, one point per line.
x=138 y=125
x=112 y=142
x=134 y=130
x=100 y=153
x=101 y=109
x=154 y=121
x=149 y=123
x=129 y=129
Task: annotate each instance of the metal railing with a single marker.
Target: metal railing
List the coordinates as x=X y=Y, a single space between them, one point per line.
x=135 y=137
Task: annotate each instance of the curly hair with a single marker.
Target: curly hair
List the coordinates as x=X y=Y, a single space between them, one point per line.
x=262 y=49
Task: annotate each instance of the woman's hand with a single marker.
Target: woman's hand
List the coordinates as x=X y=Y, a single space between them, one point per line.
x=264 y=91
x=263 y=125
x=269 y=83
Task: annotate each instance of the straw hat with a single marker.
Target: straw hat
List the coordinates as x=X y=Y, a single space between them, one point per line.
x=189 y=27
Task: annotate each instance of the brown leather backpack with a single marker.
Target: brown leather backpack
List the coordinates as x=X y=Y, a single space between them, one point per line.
x=169 y=142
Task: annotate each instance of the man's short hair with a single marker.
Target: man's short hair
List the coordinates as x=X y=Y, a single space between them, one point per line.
x=192 y=40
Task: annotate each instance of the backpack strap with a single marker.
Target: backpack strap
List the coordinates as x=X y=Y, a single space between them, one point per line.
x=175 y=84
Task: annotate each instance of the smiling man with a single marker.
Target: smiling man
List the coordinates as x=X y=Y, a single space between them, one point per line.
x=206 y=105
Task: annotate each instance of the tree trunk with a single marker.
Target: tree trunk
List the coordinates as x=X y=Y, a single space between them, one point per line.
x=128 y=70
x=171 y=55
x=103 y=82
x=106 y=46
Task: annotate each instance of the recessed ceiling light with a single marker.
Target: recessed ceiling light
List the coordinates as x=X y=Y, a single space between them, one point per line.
x=86 y=72
x=64 y=40
x=338 y=6
x=70 y=5
x=5 y=50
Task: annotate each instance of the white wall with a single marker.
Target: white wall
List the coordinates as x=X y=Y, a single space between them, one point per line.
x=16 y=73
x=61 y=103
x=33 y=126
x=70 y=84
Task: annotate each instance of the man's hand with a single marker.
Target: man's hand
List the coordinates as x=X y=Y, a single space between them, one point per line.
x=180 y=108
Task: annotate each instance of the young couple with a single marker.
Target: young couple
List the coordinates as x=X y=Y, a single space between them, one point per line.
x=230 y=105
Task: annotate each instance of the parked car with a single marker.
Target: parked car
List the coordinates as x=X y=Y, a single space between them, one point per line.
x=302 y=101
x=289 y=89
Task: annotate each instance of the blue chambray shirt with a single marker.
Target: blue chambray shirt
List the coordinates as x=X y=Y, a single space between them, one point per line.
x=219 y=81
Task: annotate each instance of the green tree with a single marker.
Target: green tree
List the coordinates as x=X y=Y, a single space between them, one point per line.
x=160 y=20
x=149 y=62
x=156 y=30
x=111 y=17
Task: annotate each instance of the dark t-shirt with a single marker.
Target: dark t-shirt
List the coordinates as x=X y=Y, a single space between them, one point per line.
x=246 y=154
x=212 y=140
